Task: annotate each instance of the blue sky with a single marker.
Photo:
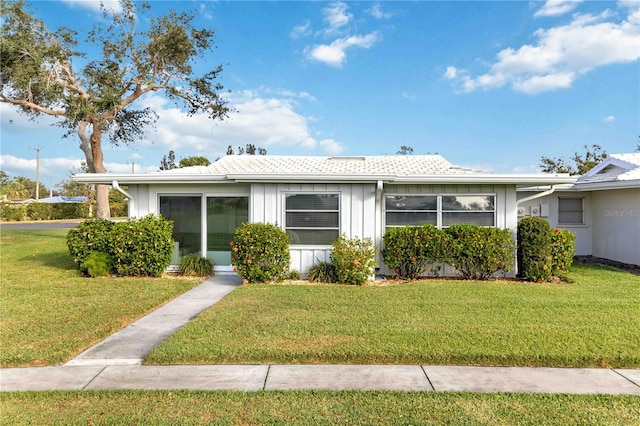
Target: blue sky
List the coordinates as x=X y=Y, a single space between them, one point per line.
x=489 y=85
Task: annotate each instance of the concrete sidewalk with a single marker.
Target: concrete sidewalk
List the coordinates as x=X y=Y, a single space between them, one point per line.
x=323 y=377
x=115 y=363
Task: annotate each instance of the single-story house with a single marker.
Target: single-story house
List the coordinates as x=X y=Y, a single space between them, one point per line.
x=316 y=199
x=602 y=208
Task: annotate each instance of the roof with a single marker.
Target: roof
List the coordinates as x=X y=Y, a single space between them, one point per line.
x=273 y=168
x=616 y=171
x=63 y=199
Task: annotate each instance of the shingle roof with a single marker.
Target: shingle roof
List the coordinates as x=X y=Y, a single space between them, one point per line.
x=397 y=165
x=616 y=168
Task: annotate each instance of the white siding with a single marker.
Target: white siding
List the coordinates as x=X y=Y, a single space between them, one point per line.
x=616 y=225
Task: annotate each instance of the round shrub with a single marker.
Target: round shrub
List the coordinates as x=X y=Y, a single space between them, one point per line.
x=88 y=237
x=477 y=252
x=410 y=251
x=194 y=265
x=562 y=250
x=98 y=264
x=260 y=252
x=534 y=249
x=353 y=259
x=142 y=247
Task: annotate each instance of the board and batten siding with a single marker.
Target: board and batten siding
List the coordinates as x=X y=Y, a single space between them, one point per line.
x=357 y=214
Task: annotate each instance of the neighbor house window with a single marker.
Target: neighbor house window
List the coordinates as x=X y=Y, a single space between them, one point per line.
x=571 y=211
x=440 y=211
x=312 y=219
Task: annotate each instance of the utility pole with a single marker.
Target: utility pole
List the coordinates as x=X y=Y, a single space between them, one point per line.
x=37 y=174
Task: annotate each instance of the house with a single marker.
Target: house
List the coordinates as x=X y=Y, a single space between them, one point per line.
x=602 y=208
x=316 y=199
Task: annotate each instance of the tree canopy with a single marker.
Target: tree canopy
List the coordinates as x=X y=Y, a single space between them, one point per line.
x=95 y=94
x=578 y=164
x=169 y=161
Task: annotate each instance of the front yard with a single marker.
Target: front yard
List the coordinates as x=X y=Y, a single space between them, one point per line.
x=592 y=322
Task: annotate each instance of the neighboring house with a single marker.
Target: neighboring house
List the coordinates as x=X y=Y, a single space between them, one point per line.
x=63 y=199
x=316 y=199
x=602 y=208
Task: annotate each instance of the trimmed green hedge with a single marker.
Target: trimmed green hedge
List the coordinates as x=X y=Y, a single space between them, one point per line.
x=260 y=252
x=410 y=251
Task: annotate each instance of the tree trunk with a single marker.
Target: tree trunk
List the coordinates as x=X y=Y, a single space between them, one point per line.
x=92 y=148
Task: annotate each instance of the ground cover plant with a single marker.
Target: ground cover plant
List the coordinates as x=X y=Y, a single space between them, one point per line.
x=589 y=323
x=51 y=313
x=316 y=408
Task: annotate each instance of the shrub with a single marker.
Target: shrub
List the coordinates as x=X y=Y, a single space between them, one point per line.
x=322 y=272
x=260 y=252
x=119 y=209
x=353 y=259
x=142 y=247
x=293 y=274
x=477 y=252
x=13 y=212
x=88 y=237
x=412 y=250
x=534 y=249
x=98 y=264
x=194 y=265
x=562 y=250
x=39 y=211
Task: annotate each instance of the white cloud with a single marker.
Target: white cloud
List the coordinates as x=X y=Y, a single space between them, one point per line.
x=560 y=56
x=331 y=147
x=557 y=7
x=336 y=17
x=609 y=118
x=52 y=170
x=265 y=118
x=94 y=5
x=334 y=54
x=376 y=12
x=408 y=96
x=301 y=30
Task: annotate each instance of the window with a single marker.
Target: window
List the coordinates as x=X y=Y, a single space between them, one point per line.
x=411 y=210
x=471 y=210
x=185 y=212
x=312 y=219
x=571 y=211
x=439 y=210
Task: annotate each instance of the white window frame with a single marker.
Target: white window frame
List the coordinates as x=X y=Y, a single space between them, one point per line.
x=285 y=211
x=582 y=212
x=440 y=211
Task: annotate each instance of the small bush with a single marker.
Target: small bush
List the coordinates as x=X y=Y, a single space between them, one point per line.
x=534 y=249
x=322 y=272
x=119 y=209
x=39 y=211
x=194 y=265
x=13 y=212
x=88 y=237
x=98 y=264
x=142 y=247
x=477 y=252
x=260 y=252
x=412 y=250
x=562 y=250
x=353 y=259
x=293 y=274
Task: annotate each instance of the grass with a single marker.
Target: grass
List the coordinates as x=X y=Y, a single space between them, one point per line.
x=50 y=313
x=316 y=407
x=592 y=322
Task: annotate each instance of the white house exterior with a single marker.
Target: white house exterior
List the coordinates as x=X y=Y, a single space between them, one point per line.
x=316 y=199
x=602 y=208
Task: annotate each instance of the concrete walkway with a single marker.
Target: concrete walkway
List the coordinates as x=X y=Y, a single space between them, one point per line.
x=115 y=363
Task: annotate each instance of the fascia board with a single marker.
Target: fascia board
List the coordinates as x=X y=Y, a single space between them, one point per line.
x=600 y=186
x=130 y=179
x=533 y=180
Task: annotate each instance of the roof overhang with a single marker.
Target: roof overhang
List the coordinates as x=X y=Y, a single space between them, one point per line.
x=203 y=178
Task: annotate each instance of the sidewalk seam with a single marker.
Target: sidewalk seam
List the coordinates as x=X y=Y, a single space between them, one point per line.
x=266 y=377
x=94 y=377
x=625 y=377
x=427 y=376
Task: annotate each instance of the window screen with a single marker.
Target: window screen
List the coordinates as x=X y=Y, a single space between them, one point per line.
x=312 y=219
x=571 y=211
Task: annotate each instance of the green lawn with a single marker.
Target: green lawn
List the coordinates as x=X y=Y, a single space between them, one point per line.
x=49 y=313
x=592 y=322
x=316 y=408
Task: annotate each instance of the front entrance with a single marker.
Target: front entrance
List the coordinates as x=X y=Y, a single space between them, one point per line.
x=207 y=228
